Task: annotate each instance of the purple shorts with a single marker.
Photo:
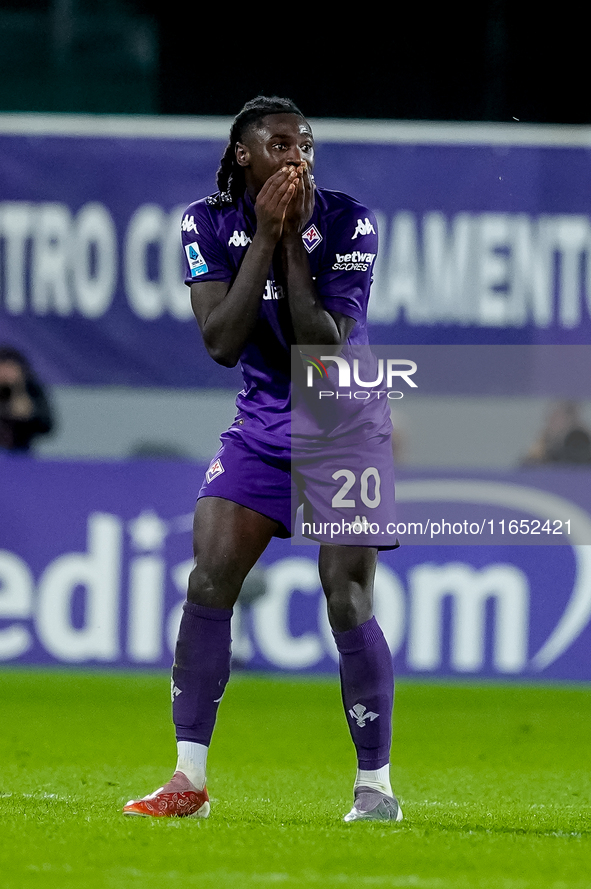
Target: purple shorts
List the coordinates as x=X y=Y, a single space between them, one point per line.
x=347 y=490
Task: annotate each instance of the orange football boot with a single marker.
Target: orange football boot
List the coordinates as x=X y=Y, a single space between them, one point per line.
x=177 y=799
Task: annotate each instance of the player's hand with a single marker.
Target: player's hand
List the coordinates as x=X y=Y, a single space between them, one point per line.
x=301 y=207
x=273 y=200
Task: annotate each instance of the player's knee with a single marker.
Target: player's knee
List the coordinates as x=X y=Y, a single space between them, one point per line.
x=348 y=608
x=212 y=588
x=351 y=568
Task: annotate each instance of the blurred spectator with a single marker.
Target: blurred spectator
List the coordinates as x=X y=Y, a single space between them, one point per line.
x=565 y=439
x=24 y=409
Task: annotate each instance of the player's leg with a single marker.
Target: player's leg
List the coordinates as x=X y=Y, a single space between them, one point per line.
x=347 y=575
x=228 y=540
x=367 y=677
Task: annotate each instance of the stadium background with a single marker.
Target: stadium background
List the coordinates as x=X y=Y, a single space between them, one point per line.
x=481 y=112
x=490 y=758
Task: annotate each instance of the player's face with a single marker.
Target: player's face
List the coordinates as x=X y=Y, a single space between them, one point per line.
x=277 y=141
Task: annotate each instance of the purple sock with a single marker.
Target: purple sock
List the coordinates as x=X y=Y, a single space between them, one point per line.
x=367 y=686
x=201 y=671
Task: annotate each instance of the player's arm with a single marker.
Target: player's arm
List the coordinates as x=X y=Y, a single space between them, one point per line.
x=312 y=323
x=226 y=313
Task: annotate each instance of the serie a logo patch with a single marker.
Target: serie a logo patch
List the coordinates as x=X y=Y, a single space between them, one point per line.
x=197 y=264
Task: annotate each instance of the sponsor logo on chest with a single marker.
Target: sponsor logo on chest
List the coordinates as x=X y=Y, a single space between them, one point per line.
x=353 y=262
x=273 y=290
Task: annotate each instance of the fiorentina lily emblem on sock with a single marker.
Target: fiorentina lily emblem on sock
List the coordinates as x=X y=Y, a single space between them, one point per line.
x=360 y=714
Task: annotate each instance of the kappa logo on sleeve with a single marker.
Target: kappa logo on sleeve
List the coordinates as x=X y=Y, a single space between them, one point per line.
x=188 y=224
x=311 y=238
x=214 y=470
x=239 y=239
x=197 y=264
x=364 y=227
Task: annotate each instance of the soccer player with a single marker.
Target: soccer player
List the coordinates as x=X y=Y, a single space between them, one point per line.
x=272 y=262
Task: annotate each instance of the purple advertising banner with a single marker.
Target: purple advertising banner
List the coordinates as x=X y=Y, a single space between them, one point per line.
x=485 y=237
x=94 y=560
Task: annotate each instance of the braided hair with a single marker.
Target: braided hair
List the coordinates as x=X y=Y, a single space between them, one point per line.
x=230 y=175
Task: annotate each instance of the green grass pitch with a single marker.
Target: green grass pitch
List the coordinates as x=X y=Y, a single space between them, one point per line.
x=494 y=780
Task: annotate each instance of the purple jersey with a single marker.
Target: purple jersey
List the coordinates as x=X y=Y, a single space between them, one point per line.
x=341 y=241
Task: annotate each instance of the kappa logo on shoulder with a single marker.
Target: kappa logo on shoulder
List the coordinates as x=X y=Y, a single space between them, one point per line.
x=311 y=238
x=239 y=239
x=188 y=224
x=364 y=227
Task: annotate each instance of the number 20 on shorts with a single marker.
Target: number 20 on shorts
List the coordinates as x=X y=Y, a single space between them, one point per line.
x=340 y=499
